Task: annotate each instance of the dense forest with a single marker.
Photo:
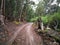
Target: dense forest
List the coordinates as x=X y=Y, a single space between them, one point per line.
x=29 y=22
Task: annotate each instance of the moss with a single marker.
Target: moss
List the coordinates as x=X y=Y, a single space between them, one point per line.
x=16 y=22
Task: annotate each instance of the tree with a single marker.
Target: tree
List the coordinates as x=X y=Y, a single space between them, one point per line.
x=24 y=9
x=1 y=7
x=40 y=12
x=2 y=11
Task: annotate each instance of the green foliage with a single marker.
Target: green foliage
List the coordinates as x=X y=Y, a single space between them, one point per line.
x=30 y=13
x=13 y=9
x=40 y=8
x=45 y=19
x=34 y=19
x=49 y=18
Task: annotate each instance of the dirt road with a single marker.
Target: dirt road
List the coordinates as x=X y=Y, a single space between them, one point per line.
x=25 y=35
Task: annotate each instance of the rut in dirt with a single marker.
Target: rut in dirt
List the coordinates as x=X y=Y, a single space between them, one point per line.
x=25 y=35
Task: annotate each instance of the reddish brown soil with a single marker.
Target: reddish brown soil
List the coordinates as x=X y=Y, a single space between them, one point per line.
x=23 y=35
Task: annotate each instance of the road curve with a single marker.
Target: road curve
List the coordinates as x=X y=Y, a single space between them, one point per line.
x=27 y=36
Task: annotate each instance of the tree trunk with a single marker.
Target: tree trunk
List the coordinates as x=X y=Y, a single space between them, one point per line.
x=20 y=19
x=1 y=7
x=42 y=27
x=40 y=24
x=2 y=12
x=20 y=11
x=4 y=7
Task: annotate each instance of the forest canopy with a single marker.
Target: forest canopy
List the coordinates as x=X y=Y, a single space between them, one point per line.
x=30 y=11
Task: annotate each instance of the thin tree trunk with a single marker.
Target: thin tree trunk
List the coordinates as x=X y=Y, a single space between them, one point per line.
x=42 y=27
x=1 y=7
x=2 y=12
x=20 y=10
x=21 y=14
